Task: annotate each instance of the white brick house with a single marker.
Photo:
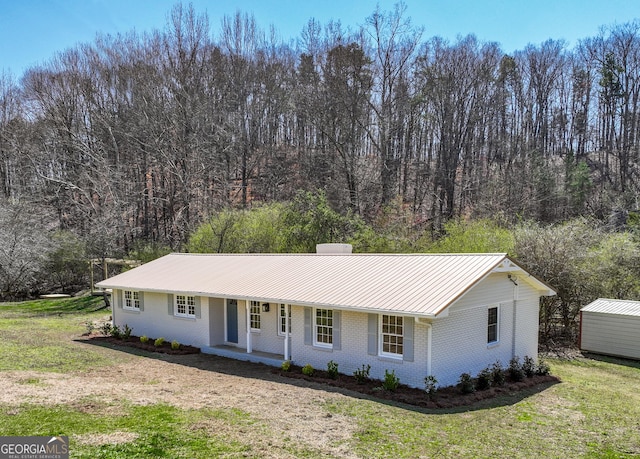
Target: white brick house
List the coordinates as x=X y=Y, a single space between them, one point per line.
x=417 y=314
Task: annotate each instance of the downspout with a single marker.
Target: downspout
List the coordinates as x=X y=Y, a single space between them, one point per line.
x=513 y=279
x=286 y=332
x=429 y=340
x=249 y=347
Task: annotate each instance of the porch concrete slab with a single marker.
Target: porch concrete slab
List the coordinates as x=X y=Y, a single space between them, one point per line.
x=274 y=360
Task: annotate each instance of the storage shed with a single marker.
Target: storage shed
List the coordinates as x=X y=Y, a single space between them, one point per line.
x=611 y=327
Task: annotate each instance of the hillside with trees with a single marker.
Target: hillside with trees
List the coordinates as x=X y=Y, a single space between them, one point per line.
x=228 y=138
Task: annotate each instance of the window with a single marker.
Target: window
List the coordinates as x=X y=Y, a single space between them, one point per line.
x=392 y=336
x=492 y=325
x=254 y=311
x=131 y=300
x=282 y=317
x=185 y=306
x=324 y=327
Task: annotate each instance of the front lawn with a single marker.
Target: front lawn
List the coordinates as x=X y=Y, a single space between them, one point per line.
x=118 y=404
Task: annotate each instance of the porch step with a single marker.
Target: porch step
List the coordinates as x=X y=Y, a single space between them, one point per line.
x=274 y=360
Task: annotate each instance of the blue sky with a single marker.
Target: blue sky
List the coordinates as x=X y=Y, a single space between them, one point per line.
x=32 y=31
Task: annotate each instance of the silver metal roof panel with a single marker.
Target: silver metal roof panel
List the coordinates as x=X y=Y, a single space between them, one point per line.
x=416 y=284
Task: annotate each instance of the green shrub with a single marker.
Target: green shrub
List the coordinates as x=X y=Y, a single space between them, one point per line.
x=286 y=365
x=390 y=381
x=362 y=374
x=158 y=342
x=175 y=345
x=497 y=374
x=543 y=368
x=307 y=370
x=516 y=373
x=105 y=329
x=430 y=385
x=332 y=369
x=465 y=383
x=471 y=236
x=115 y=332
x=484 y=379
x=144 y=339
x=89 y=327
x=126 y=332
x=529 y=366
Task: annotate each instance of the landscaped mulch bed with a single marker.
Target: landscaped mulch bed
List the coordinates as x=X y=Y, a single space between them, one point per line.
x=445 y=397
x=134 y=341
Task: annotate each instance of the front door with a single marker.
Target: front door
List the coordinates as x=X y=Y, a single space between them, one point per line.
x=232 y=321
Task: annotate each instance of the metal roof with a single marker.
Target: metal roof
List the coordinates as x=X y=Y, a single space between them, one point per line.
x=416 y=284
x=609 y=306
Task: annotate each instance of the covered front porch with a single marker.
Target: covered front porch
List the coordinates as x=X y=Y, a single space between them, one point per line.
x=237 y=353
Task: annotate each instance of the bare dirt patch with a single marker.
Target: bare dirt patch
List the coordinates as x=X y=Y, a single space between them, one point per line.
x=290 y=408
x=196 y=381
x=447 y=397
x=114 y=438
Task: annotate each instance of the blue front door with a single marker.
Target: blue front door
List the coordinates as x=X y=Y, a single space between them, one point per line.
x=232 y=321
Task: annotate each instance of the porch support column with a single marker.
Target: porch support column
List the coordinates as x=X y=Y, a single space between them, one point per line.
x=248 y=309
x=287 y=324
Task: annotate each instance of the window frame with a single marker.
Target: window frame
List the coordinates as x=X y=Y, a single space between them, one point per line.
x=282 y=319
x=399 y=337
x=493 y=325
x=133 y=302
x=254 y=315
x=188 y=302
x=327 y=328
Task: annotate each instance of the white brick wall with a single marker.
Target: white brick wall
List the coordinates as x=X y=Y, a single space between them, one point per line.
x=528 y=318
x=354 y=350
x=459 y=337
x=155 y=321
x=460 y=343
x=265 y=340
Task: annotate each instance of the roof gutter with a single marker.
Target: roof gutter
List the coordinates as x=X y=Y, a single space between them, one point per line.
x=276 y=300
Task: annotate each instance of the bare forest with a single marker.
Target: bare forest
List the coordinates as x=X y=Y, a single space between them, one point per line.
x=138 y=139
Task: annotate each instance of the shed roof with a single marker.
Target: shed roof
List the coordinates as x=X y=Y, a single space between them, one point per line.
x=415 y=284
x=609 y=306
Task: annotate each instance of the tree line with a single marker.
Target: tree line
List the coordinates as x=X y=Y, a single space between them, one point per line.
x=137 y=143
x=581 y=259
x=141 y=136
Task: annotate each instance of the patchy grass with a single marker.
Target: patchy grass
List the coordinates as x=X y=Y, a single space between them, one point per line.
x=82 y=305
x=38 y=335
x=152 y=431
x=594 y=412
x=140 y=431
